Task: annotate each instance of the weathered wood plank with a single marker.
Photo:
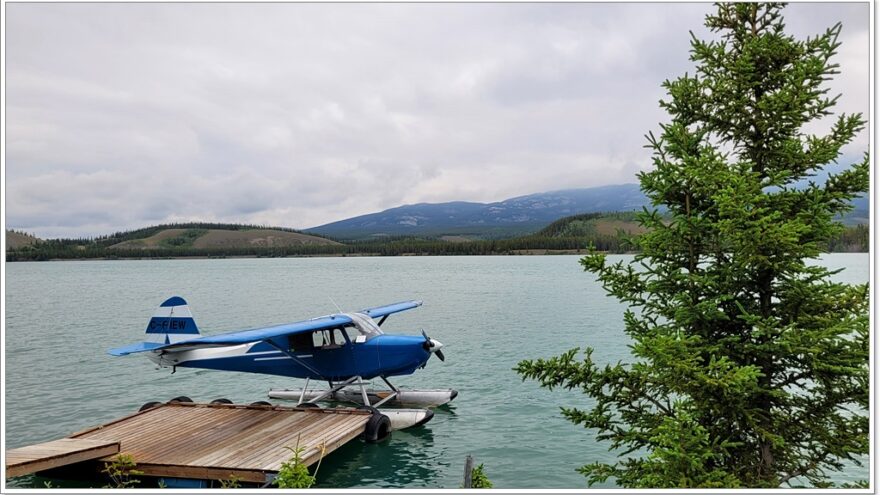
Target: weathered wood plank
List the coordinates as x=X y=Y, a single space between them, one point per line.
x=201 y=431
x=246 y=444
x=340 y=437
x=248 y=434
x=57 y=453
x=274 y=443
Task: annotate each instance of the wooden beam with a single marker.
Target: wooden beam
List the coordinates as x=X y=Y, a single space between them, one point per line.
x=202 y=472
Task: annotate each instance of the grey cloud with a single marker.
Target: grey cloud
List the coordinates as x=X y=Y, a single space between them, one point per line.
x=121 y=115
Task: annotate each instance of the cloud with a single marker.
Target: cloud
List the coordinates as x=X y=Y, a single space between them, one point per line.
x=123 y=115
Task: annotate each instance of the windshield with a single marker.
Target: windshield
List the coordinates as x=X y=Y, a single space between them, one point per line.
x=365 y=325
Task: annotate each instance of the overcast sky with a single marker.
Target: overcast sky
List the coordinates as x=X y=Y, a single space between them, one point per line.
x=125 y=115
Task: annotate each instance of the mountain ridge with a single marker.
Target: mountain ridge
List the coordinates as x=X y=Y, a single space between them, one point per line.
x=520 y=215
x=514 y=216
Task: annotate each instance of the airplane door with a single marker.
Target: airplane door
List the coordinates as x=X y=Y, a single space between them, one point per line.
x=365 y=354
x=332 y=353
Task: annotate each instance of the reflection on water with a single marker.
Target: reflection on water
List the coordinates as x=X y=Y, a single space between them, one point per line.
x=407 y=459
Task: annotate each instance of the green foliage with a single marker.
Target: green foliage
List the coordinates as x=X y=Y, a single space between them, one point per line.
x=233 y=482
x=583 y=224
x=750 y=367
x=293 y=473
x=185 y=239
x=479 y=478
x=860 y=484
x=120 y=471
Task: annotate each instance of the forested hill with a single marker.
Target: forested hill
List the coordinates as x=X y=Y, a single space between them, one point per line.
x=219 y=240
x=607 y=232
x=568 y=235
x=204 y=234
x=18 y=240
x=184 y=239
x=593 y=224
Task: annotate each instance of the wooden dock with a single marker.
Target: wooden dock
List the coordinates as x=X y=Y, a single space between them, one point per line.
x=56 y=453
x=217 y=441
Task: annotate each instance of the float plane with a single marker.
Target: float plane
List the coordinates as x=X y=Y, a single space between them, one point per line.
x=343 y=349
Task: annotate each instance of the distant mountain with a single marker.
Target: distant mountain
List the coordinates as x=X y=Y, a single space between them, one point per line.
x=509 y=218
x=515 y=216
x=860 y=215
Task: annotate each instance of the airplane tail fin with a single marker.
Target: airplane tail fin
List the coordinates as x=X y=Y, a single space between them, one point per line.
x=172 y=322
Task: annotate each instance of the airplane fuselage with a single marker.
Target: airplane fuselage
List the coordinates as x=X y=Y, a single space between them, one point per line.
x=381 y=355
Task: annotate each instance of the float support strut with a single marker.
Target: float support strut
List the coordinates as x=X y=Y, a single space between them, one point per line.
x=335 y=389
x=302 y=395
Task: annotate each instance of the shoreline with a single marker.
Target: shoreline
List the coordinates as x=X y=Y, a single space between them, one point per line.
x=520 y=252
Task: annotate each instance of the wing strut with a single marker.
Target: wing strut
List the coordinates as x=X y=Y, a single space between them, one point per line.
x=291 y=356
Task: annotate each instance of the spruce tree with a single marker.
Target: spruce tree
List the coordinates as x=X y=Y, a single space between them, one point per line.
x=749 y=366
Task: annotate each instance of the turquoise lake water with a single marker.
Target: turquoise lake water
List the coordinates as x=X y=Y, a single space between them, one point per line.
x=490 y=312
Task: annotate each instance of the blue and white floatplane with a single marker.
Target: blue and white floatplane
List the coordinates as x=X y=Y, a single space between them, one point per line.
x=343 y=349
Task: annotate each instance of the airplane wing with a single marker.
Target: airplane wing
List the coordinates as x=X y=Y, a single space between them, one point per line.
x=239 y=337
x=258 y=334
x=386 y=310
x=133 y=348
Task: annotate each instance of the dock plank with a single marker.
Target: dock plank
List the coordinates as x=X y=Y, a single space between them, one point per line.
x=197 y=431
x=260 y=421
x=241 y=447
x=57 y=453
x=275 y=444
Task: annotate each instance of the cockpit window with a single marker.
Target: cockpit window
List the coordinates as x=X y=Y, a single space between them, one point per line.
x=364 y=325
x=329 y=338
x=361 y=329
x=352 y=333
x=300 y=342
x=320 y=338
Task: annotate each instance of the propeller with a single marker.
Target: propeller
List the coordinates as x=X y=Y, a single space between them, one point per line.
x=432 y=345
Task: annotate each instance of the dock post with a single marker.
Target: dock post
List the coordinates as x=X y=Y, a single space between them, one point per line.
x=468 y=472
